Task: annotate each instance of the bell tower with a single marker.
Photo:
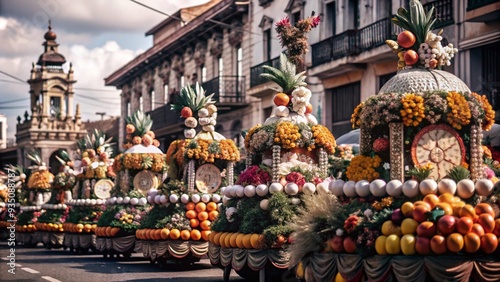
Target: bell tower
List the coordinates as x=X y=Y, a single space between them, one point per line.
x=52 y=124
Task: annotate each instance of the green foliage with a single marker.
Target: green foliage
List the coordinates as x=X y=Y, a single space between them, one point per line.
x=141 y=121
x=416 y=20
x=160 y=216
x=25 y=217
x=286 y=76
x=51 y=216
x=458 y=173
x=193 y=98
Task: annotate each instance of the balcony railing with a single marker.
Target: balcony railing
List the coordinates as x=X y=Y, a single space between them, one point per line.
x=227 y=89
x=375 y=34
x=443 y=12
x=255 y=71
x=335 y=47
x=474 y=4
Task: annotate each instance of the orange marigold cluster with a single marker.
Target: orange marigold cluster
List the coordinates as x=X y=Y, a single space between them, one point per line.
x=459 y=113
x=175 y=152
x=489 y=113
x=323 y=138
x=250 y=132
x=413 y=109
x=355 y=117
x=287 y=135
x=226 y=150
x=363 y=168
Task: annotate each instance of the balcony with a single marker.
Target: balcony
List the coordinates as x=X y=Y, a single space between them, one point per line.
x=443 y=10
x=482 y=10
x=255 y=78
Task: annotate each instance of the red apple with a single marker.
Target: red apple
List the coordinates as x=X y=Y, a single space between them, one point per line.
x=406 y=39
x=446 y=224
x=496 y=231
x=426 y=229
x=349 y=245
x=337 y=244
x=411 y=57
x=438 y=244
x=423 y=245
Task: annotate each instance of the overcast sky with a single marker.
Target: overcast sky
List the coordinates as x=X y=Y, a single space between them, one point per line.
x=97 y=36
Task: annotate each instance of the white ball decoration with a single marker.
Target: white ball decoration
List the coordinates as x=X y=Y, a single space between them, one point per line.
x=309 y=188
x=126 y=200
x=377 y=188
x=174 y=198
x=295 y=201
x=216 y=198
x=249 y=191
x=99 y=202
x=312 y=119
x=484 y=187
x=282 y=111
x=261 y=190
x=184 y=198
x=157 y=199
x=221 y=190
x=394 y=188
x=225 y=199
x=349 y=189
x=87 y=201
x=226 y=191
x=235 y=189
x=134 y=201
x=428 y=186
x=240 y=191
x=290 y=189
x=362 y=188
x=465 y=188
x=151 y=199
x=163 y=199
x=143 y=201
x=119 y=200
x=410 y=188
x=153 y=192
x=275 y=188
x=336 y=187
x=205 y=198
x=230 y=212
x=447 y=185
x=322 y=187
x=264 y=204
x=195 y=198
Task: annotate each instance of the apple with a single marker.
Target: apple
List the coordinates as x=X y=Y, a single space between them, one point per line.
x=349 y=245
x=426 y=229
x=423 y=245
x=337 y=244
x=446 y=224
x=397 y=217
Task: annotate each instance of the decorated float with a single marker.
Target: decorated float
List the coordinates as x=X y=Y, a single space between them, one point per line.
x=94 y=181
x=12 y=196
x=420 y=202
x=183 y=208
x=140 y=168
x=287 y=159
x=50 y=199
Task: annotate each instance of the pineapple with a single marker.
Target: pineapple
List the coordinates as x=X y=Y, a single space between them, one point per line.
x=95 y=141
x=416 y=20
x=141 y=122
x=286 y=77
x=193 y=98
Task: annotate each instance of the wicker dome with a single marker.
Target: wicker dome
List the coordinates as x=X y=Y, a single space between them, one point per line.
x=420 y=80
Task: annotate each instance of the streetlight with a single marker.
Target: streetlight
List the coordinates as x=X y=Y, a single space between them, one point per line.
x=101 y=114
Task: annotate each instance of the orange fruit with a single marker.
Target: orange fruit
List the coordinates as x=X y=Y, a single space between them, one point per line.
x=227 y=240
x=446 y=198
x=193 y=222
x=407 y=209
x=205 y=225
x=468 y=211
x=431 y=199
x=406 y=39
x=420 y=213
x=213 y=215
x=309 y=108
x=185 y=235
x=222 y=239
x=215 y=238
x=455 y=242
x=448 y=210
x=438 y=244
x=484 y=208
x=190 y=206
x=281 y=99
x=246 y=241
x=256 y=241
x=158 y=234
x=410 y=57
x=487 y=222
x=239 y=241
x=201 y=207
x=464 y=225
x=165 y=233
x=478 y=229
x=456 y=208
x=489 y=243
x=211 y=236
x=205 y=234
x=175 y=234
x=191 y=214
x=232 y=240
x=472 y=242
x=202 y=216
x=211 y=206
x=195 y=234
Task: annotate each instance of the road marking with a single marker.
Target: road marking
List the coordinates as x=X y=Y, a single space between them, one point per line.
x=27 y=269
x=18 y=265
x=48 y=278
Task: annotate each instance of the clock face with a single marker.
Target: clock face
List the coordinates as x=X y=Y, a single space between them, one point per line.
x=145 y=180
x=440 y=145
x=102 y=188
x=208 y=178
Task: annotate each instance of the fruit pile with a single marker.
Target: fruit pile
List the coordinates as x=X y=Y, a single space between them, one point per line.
x=79 y=228
x=241 y=241
x=437 y=225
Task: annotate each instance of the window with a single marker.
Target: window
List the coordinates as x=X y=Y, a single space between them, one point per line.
x=331 y=18
x=153 y=102
x=165 y=93
x=343 y=100
x=203 y=71
x=485 y=75
x=267 y=44
x=220 y=67
x=239 y=61
x=353 y=17
x=295 y=17
x=55 y=106
x=267 y=112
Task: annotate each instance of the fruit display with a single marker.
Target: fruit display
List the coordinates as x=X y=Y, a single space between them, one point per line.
x=420 y=201
x=140 y=168
x=94 y=175
x=287 y=161
x=186 y=204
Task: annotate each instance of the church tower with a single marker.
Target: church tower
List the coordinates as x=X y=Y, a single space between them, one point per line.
x=52 y=125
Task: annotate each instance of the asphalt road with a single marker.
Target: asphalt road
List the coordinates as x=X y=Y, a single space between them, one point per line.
x=41 y=264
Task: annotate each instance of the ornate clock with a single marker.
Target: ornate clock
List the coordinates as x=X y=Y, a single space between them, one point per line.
x=208 y=178
x=102 y=188
x=145 y=180
x=440 y=145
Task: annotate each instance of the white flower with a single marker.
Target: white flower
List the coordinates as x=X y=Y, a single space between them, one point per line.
x=387 y=166
x=301 y=91
x=368 y=213
x=339 y=232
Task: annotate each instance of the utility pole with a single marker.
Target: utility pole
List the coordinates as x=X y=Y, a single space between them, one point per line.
x=102 y=114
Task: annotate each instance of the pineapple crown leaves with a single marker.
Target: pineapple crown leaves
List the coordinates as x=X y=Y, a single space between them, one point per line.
x=16 y=169
x=192 y=97
x=286 y=76
x=63 y=157
x=95 y=140
x=141 y=121
x=35 y=157
x=416 y=20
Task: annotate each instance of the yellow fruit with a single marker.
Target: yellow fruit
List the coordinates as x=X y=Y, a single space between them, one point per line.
x=239 y=241
x=393 y=244
x=380 y=245
x=389 y=228
x=409 y=226
x=255 y=241
x=232 y=240
x=222 y=239
x=215 y=238
x=227 y=240
x=408 y=244
x=300 y=270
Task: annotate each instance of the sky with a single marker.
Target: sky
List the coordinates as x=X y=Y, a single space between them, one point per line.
x=96 y=36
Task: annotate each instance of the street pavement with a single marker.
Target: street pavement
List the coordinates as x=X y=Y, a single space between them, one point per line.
x=41 y=264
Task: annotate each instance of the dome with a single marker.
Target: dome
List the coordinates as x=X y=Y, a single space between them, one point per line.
x=50 y=35
x=419 y=80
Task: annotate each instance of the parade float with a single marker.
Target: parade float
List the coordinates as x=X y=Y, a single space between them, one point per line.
x=287 y=159
x=94 y=181
x=183 y=208
x=140 y=168
x=420 y=202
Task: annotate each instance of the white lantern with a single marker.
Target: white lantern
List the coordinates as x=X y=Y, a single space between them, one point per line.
x=349 y=189
x=410 y=188
x=428 y=186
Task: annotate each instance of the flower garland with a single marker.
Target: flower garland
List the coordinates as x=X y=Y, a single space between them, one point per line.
x=413 y=109
x=155 y=162
x=210 y=150
x=363 y=168
x=176 y=150
x=286 y=135
x=323 y=138
x=355 y=117
x=460 y=113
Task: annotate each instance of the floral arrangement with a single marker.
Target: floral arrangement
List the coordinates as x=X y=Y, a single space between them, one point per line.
x=415 y=109
x=421 y=172
x=41 y=180
x=54 y=216
x=95 y=157
x=254 y=175
x=210 y=150
x=381 y=144
x=123 y=216
x=84 y=215
x=339 y=162
x=139 y=161
x=364 y=168
x=138 y=131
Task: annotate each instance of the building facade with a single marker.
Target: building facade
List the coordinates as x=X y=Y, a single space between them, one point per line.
x=52 y=125
x=3 y=131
